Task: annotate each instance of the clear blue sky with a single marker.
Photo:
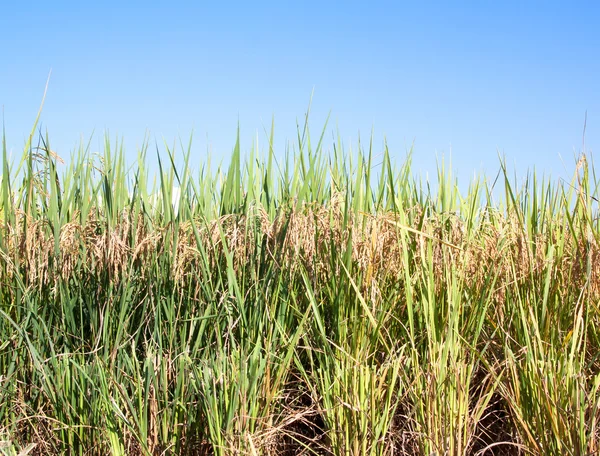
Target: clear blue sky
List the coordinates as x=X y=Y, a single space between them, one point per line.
x=471 y=80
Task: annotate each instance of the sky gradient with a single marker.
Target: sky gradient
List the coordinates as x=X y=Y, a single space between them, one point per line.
x=468 y=81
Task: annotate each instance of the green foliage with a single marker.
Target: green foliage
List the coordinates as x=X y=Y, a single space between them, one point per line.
x=316 y=303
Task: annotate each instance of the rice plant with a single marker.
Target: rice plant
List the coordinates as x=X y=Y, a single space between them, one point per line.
x=319 y=301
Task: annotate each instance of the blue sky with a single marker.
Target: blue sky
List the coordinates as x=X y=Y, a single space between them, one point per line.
x=468 y=80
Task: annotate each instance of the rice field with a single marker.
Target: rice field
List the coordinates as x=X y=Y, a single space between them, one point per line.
x=326 y=303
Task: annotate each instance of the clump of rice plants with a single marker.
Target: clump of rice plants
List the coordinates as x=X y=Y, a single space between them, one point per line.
x=313 y=305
